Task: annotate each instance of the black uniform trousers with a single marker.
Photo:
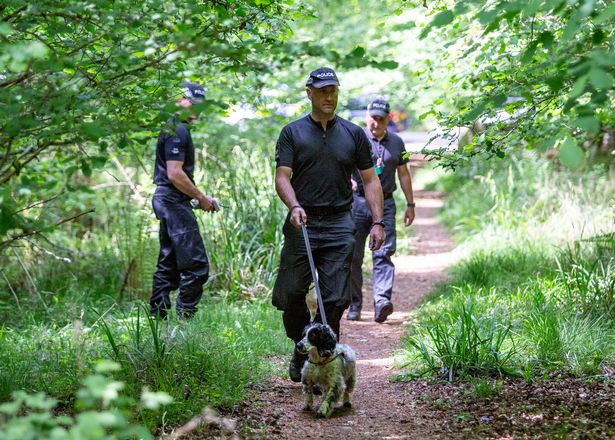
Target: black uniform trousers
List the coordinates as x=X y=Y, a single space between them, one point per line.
x=332 y=242
x=182 y=261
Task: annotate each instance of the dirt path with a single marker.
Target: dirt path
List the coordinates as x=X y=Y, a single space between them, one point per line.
x=381 y=409
x=558 y=406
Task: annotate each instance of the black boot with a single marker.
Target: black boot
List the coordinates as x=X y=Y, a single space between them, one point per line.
x=295 y=366
x=354 y=313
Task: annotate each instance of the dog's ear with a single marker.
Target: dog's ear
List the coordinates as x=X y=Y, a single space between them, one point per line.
x=313 y=332
x=327 y=341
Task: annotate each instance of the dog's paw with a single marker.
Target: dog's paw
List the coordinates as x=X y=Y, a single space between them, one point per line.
x=325 y=410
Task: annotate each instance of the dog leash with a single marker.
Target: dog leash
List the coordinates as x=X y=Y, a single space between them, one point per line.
x=323 y=317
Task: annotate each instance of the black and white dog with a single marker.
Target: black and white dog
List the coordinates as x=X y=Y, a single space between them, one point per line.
x=330 y=366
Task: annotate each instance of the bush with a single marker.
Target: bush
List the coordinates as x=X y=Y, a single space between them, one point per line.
x=103 y=413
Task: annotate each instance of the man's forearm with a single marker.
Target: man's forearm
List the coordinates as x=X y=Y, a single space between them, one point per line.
x=405 y=182
x=286 y=192
x=374 y=197
x=182 y=182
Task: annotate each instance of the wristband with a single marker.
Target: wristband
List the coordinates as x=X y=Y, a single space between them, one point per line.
x=410 y=204
x=381 y=223
x=292 y=208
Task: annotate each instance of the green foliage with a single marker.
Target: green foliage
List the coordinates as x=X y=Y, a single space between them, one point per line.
x=523 y=195
x=78 y=85
x=548 y=269
x=588 y=276
x=536 y=75
x=485 y=389
x=505 y=268
x=102 y=412
x=245 y=238
x=209 y=360
x=464 y=340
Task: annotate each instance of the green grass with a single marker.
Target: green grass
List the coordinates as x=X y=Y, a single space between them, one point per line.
x=209 y=360
x=534 y=289
x=59 y=317
x=467 y=338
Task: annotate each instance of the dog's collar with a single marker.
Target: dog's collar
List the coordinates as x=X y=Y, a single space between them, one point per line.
x=326 y=362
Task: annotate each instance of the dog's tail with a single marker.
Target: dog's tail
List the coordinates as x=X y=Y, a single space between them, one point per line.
x=312 y=302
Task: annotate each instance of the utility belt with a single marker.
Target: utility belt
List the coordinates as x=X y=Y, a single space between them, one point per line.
x=386 y=195
x=326 y=210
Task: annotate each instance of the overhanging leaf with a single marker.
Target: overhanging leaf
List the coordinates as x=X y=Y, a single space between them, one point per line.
x=578 y=87
x=605 y=15
x=358 y=52
x=475 y=112
x=588 y=123
x=443 y=18
x=600 y=79
x=570 y=154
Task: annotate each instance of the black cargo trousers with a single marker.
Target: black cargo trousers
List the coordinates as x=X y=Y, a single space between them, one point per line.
x=332 y=242
x=182 y=261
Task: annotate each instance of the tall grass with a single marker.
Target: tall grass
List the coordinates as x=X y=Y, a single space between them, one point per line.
x=541 y=243
x=210 y=360
x=244 y=239
x=464 y=340
x=93 y=302
x=113 y=255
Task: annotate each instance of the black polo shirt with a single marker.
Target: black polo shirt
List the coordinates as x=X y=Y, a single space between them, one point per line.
x=323 y=161
x=174 y=143
x=392 y=150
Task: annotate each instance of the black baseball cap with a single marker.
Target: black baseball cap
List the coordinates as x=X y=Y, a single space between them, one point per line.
x=193 y=92
x=322 y=77
x=379 y=107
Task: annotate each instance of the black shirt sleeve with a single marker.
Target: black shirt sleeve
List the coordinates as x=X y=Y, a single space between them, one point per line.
x=175 y=146
x=364 y=151
x=284 y=149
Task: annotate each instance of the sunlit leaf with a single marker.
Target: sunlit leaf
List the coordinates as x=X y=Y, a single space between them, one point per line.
x=154 y=400
x=578 y=87
x=570 y=154
x=443 y=18
x=358 y=52
x=606 y=15
x=600 y=79
x=588 y=123
x=546 y=39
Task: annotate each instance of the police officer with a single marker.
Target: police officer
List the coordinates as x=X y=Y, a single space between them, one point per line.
x=315 y=156
x=387 y=150
x=182 y=261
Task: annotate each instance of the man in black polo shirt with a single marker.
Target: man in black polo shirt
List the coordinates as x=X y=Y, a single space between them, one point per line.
x=315 y=157
x=182 y=261
x=387 y=150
